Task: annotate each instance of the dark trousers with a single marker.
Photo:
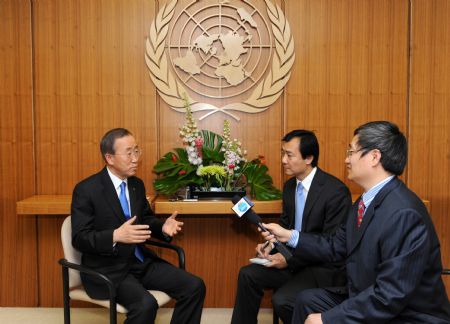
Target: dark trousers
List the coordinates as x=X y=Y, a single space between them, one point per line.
x=252 y=281
x=187 y=289
x=321 y=300
x=315 y=301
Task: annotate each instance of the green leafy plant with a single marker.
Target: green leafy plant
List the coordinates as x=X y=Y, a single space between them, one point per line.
x=211 y=160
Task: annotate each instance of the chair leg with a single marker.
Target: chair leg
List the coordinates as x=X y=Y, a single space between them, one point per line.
x=65 y=275
x=112 y=311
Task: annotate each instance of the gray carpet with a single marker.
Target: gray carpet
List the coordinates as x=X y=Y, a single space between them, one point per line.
x=41 y=315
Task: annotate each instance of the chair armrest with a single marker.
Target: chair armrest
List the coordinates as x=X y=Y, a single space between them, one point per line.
x=176 y=248
x=66 y=264
x=446 y=271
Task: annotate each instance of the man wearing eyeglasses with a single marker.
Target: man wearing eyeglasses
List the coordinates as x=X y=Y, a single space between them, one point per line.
x=389 y=244
x=111 y=219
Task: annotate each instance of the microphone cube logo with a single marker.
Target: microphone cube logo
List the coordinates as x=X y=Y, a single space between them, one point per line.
x=242 y=206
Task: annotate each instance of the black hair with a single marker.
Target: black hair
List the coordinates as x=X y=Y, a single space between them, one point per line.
x=309 y=146
x=387 y=138
x=109 y=139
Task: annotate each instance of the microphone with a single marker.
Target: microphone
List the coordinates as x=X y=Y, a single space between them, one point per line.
x=243 y=208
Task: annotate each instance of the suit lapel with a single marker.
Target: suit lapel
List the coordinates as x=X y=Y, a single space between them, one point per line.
x=313 y=195
x=132 y=193
x=290 y=202
x=358 y=233
x=110 y=194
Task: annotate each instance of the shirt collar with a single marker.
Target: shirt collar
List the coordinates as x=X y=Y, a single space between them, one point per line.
x=368 y=196
x=308 y=180
x=115 y=179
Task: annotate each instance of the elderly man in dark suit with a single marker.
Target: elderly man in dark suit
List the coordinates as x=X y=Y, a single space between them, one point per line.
x=111 y=219
x=389 y=243
x=313 y=202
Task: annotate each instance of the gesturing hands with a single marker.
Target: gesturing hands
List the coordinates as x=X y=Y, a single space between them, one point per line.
x=171 y=226
x=131 y=234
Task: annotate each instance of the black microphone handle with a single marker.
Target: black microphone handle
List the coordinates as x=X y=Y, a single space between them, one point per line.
x=261 y=226
x=278 y=245
x=283 y=250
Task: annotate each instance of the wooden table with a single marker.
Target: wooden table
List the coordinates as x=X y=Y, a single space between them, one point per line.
x=217 y=207
x=60 y=205
x=45 y=205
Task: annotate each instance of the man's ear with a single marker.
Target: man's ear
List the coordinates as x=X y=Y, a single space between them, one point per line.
x=309 y=159
x=375 y=156
x=109 y=159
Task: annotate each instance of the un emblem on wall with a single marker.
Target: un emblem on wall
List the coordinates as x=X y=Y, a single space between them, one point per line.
x=227 y=53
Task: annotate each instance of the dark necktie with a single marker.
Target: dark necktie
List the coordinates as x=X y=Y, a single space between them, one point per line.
x=126 y=210
x=361 y=209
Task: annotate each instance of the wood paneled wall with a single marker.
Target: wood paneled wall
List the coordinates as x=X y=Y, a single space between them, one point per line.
x=18 y=266
x=70 y=70
x=429 y=115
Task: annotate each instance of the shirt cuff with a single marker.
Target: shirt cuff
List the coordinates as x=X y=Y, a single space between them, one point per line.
x=293 y=241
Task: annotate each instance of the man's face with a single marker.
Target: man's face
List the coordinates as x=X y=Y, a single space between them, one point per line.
x=124 y=162
x=358 y=166
x=293 y=162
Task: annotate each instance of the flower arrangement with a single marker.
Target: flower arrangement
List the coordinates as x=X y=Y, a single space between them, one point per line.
x=212 y=162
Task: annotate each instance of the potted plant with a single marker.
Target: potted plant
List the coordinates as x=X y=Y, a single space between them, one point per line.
x=212 y=166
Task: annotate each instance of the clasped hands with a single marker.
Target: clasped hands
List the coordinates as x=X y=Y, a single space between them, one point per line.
x=131 y=233
x=278 y=233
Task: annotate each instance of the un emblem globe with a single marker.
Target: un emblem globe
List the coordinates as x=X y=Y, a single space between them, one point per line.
x=220 y=50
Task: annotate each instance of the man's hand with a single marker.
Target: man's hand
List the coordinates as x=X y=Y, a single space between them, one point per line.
x=279 y=233
x=278 y=261
x=263 y=249
x=131 y=234
x=314 y=319
x=171 y=226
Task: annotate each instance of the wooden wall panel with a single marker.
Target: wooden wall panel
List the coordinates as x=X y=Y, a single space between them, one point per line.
x=352 y=66
x=18 y=269
x=429 y=134
x=87 y=81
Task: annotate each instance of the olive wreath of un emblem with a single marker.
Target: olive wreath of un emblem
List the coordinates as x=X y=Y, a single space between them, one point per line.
x=264 y=92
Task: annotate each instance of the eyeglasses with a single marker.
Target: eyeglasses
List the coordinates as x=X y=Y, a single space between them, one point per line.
x=350 y=152
x=135 y=153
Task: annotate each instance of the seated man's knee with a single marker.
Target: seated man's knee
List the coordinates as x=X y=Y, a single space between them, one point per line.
x=198 y=286
x=148 y=302
x=245 y=275
x=305 y=298
x=144 y=308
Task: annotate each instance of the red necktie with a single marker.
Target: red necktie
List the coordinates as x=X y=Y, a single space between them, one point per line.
x=361 y=209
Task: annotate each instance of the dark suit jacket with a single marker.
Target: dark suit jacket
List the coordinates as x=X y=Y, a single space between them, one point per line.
x=96 y=213
x=393 y=262
x=326 y=207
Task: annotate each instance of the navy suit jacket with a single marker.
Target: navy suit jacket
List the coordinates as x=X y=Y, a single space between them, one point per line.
x=393 y=262
x=326 y=207
x=96 y=213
